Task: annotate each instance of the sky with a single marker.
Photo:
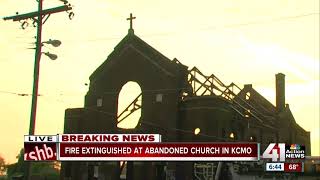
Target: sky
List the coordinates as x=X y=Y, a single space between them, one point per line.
x=245 y=42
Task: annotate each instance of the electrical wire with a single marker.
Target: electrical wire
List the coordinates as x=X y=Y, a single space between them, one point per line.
x=14 y=93
x=147 y=91
x=226 y=26
x=176 y=129
x=146 y=123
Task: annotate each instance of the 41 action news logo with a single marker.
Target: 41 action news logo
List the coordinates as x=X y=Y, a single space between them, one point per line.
x=281 y=151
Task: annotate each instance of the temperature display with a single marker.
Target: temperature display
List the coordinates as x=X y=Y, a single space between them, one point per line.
x=293 y=167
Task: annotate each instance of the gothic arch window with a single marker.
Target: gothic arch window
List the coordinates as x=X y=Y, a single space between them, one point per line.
x=129 y=105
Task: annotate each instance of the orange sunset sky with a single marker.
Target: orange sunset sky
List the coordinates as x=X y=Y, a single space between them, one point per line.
x=246 y=42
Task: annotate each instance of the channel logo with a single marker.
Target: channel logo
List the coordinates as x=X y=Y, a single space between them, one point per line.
x=295 y=147
x=275 y=151
x=40 y=152
x=281 y=152
x=295 y=151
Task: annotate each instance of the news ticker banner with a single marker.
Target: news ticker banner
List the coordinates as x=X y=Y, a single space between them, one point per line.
x=132 y=147
x=158 y=152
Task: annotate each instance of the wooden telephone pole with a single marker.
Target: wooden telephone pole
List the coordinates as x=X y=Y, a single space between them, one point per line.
x=39 y=18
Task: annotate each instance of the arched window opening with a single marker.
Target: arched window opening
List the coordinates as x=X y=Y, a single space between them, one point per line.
x=129 y=105
x=248 y=94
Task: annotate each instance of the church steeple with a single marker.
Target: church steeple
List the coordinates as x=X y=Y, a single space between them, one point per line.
x=131 y=18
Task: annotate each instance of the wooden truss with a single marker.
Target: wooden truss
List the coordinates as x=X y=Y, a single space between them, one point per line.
x=203 y=85
x=131 y=108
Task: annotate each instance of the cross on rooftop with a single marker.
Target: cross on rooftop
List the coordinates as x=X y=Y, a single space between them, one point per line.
x=130 y=19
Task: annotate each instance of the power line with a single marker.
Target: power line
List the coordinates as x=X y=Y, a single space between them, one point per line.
x=173 y=90
x=176 y=129
x=226 y=26
x=271 y=20
x=208 y=28
x=14 y=93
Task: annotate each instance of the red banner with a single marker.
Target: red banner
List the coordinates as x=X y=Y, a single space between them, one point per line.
x=159 y=151
x=293 y=167
x=40 y=151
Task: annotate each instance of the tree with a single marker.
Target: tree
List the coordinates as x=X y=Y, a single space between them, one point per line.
x=3 y=167
x=18 y=167
x=45 y=169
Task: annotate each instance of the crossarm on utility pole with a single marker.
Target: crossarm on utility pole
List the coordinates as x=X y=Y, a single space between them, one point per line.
x=36 y=13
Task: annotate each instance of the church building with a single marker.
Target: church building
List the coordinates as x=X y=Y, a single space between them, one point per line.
x=180 y=103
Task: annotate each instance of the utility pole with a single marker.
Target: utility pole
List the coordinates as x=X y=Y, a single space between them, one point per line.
x=39 y=18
